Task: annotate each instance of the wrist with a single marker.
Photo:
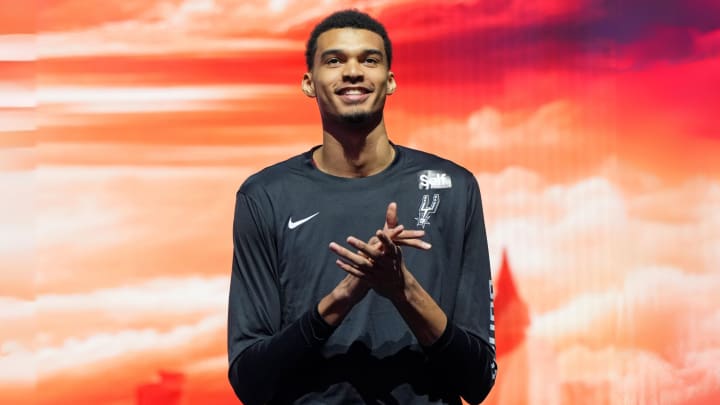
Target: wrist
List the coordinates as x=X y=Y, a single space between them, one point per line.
x=409 y=291
x=343 y=296
x=335 y=306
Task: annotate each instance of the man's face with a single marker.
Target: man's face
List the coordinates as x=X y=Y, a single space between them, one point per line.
x=350 y=76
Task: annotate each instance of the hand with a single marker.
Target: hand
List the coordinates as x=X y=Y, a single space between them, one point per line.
x=398 y=235
x=381 y=265
x=405 y=237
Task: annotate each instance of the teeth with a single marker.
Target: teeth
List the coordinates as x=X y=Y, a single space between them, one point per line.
x=352 y=91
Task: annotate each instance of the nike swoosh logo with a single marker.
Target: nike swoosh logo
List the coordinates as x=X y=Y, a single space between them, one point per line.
x=293 y=225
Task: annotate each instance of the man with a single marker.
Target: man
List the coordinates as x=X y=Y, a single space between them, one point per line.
x=317 y=315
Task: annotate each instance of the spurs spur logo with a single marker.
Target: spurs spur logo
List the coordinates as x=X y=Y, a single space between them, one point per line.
x=426 y=209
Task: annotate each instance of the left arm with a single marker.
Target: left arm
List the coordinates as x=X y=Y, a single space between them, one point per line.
x=464 y=351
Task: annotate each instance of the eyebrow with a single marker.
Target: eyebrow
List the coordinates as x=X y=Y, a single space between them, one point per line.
x=371 y=51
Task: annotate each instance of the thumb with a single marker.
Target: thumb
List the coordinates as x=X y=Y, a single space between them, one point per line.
x=391 y=220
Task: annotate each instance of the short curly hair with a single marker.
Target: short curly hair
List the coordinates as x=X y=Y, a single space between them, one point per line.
x=351 y=18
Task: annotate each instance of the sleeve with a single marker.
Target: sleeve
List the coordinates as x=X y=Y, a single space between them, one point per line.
x=261 y=353
x=466 y=350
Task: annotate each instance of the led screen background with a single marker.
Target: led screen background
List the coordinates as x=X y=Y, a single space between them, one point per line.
x=126 y=128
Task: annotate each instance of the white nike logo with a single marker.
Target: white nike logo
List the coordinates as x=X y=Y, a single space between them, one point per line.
x=293 y=225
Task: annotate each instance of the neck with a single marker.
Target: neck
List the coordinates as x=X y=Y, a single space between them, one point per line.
x=354 y=151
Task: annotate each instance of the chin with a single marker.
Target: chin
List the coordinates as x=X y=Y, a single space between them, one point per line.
x=356 y=117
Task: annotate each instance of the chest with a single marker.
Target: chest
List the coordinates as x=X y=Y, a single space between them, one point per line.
x=308 y=223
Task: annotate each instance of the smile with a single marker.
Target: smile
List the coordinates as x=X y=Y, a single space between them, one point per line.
x=353 y=95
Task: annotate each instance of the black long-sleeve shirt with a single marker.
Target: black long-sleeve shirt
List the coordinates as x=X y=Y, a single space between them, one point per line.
x=280 y=349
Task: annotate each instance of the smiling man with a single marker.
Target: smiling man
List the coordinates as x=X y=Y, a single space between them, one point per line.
x=352 y=78
x=329 y=305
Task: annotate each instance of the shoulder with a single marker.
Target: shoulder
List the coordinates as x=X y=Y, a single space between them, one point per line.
x=433 y=165
x=274 y=177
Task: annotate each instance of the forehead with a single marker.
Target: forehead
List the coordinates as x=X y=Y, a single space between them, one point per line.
x=349 y=40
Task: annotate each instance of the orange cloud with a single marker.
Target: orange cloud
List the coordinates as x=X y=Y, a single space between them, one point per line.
x=17 y=47
x=111 y=365
x=17 y=120
x=70 y=15
x=132 y=222
x=220 y=27
x=17 y=218
x=152 y=99
x=596 y=231
x=160 y=304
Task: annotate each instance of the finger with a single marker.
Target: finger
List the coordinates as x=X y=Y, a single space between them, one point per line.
x=394 y=232
x=354 y=258
x=350 y=269
x=371 y=251
x=387 y=242
x=416 y=243
x=409 y=238
x=391 y=220
x=410 y=234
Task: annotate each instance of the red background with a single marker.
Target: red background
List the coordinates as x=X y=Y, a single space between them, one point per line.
x=126 y=127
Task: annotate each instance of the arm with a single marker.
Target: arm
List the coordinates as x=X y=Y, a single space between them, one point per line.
x=261 y=354
x=466 y=360
x=464 y=351
x=467 y=348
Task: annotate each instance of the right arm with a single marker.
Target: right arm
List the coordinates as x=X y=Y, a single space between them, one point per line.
x=261 y=354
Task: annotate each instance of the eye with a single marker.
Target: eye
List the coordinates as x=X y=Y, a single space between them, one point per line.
x=332 y=61
x=372 y=61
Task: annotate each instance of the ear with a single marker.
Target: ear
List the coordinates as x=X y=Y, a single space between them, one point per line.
x=307 y=85
x=391 y=83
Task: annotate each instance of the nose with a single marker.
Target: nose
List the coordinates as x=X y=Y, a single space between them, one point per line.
x=352 y=71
